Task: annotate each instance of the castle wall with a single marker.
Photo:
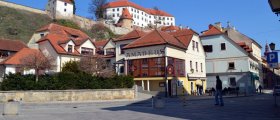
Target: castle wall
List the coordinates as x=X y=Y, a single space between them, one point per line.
x=21 y=7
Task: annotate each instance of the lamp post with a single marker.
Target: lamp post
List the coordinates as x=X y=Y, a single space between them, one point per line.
x=275 y=6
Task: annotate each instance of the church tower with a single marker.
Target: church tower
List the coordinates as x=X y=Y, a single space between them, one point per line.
x=126 y=20
x=60 y=9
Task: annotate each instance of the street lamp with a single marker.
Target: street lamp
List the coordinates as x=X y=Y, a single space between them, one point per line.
x=272 y=46
x=275 y=6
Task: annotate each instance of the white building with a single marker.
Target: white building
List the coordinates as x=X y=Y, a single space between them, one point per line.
x=233 y=56
x=143 y=17
x=61 y=43
x=60 y=8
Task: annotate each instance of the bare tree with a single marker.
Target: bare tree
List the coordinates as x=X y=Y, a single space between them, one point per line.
x=36 y=61
x=96 y=65
x=97 y=8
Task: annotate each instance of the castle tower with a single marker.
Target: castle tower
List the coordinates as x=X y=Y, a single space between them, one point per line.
x=59 y=9
x=267 y=50
x=126 y=20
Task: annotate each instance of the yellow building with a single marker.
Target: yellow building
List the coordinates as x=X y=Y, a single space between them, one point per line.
x=171 y=62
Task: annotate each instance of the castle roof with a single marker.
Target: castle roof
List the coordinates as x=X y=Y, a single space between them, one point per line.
x=68 y=1
x=127 y=3
x=126 y=14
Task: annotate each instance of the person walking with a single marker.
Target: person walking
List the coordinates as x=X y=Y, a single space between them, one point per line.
x=218 y=93
x=260 y=89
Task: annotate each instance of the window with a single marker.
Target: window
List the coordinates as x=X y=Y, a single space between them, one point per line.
x=113 y=10
x=193 y=44
x=196 y=66
x=118 y=15
x=223 y=46
x=64 y=10
x=118 y=9
x=121 y=47
x=191 y=65
x=208 y=48
x=42 y=35
x=201 y=67
x=231 y=65
x=197 y=46
x=65 y=4
x=86 y=51
x=232 y=81
x=113 y=15
x=70 y=48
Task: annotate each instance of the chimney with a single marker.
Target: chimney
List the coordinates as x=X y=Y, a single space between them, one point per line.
x=181 y=27
x=228 y=25
x=218 y=25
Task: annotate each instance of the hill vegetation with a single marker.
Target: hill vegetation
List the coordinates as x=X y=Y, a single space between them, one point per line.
x=20 y=25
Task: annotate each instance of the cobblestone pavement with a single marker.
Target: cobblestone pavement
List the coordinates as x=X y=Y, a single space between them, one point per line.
x=257 y=107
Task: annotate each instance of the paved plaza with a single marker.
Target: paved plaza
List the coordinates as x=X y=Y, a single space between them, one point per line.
x=256 y=107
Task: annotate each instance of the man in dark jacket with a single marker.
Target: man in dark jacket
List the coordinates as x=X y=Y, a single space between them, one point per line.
x=218 y=94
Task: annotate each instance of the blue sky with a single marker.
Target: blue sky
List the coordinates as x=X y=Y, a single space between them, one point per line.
x=251 y=17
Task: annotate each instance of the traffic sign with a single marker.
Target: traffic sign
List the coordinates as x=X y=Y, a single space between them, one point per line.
x=272 y=59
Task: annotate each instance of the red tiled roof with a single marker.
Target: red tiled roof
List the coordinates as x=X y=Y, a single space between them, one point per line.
x=56 y=41
x=135 y=34
x=184 y=36
x=11 y=45
x=68 y=1
x=100 y=44
x=60 y=35
x=126 y=3
x=212 y=31
x=126 y=14
x=62 y=30
x=16 y=58
x=155 y=37
x=170 y=28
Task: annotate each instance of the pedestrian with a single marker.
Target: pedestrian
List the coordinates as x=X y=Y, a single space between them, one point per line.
x=260 y=89
x=200 y=90
x=218 y=94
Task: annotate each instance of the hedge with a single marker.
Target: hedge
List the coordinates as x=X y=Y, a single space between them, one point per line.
x=64 y=81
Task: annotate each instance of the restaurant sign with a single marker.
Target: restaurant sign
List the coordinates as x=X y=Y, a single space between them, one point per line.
x=145 y=52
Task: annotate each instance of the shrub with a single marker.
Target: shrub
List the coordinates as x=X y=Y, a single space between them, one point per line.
x=71 y=66
x=65 y=81
x=67 y=23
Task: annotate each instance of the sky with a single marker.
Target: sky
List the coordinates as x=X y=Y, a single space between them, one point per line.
x=253 y=18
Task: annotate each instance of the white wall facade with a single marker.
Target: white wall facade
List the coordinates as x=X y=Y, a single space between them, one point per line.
x=217 y=63
x=141 y=18
x=35 y=37
x=196 y=56
x=87 y=44
x=58 y=8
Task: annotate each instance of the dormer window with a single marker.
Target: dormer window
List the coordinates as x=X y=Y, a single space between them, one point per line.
x=70 y=48
x=42 y=35
x=86 y=51
x=74 y=36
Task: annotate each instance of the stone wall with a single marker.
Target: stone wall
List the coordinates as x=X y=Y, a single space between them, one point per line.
x=21 y=7
x=67 y=95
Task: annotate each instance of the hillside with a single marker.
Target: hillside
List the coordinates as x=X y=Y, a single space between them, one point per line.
x=19 y=24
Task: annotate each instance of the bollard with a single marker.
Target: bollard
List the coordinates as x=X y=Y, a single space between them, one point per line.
x=158 y=102
x=11 y=108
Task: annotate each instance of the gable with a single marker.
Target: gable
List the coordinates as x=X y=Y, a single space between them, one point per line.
x=232 y=49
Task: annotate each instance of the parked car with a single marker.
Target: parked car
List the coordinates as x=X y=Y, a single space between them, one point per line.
x=276 y=90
